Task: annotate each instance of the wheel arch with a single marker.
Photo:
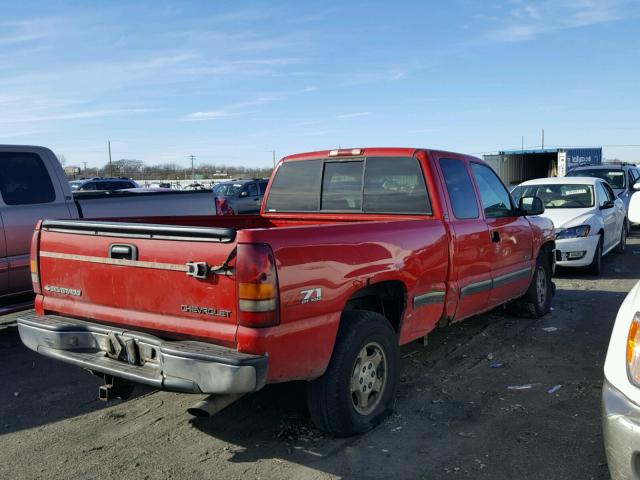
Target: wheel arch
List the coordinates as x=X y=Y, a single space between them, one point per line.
x=387 y=298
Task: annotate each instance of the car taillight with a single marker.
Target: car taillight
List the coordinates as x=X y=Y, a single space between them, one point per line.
x=33 y=259
x=222 y=207
x=633 y=350
x=257 y=286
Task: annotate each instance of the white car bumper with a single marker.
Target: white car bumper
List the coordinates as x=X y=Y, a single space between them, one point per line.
x=576 y=252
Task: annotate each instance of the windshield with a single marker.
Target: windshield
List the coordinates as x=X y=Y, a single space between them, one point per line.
x=227 y=189
x=615 y=178
x=558 y=196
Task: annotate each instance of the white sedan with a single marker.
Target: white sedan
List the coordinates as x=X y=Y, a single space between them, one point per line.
x=621 y=389
x=588 y=217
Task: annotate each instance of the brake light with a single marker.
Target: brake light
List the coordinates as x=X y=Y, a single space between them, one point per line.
x=33 y=259
x=345 y=152
x=633 y=350
x=257 y=286
x=222 y=207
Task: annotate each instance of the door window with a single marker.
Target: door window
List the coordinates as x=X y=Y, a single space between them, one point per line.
x=496 y=200
x=24 y=179
x=252 y=190
x=461 y=193
x=263 y=187
x=603 y=194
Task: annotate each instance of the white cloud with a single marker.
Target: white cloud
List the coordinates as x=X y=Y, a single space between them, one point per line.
x=210 y=115
x=526 y=19
x=353 y=115
x=72 y=115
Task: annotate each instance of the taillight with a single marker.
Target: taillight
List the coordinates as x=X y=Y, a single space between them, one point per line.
x=257 y=286
x=33 y=259
x=633 y=350
x=222 y=207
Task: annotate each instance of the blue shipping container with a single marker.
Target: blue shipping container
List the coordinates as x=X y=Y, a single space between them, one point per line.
x=580 y=157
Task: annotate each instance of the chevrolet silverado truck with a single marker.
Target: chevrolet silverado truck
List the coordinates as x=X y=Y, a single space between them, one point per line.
x=354 y=253
x=33 y=186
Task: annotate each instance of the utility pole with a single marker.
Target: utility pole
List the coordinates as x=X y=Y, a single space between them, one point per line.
x=543 y=138
x=193 y=172
x=85 y=167
x=274 y=158
x=110 y=165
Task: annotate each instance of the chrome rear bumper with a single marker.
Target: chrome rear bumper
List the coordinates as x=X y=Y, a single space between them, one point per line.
x=179 y=366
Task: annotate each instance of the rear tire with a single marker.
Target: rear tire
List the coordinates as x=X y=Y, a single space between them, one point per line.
x=596 y=264
x=623 y=239
x=356 y=390
x=537 y=301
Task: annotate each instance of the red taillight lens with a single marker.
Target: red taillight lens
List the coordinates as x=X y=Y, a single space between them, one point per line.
x=222 y=207
x=33 y=260
x=257 y=286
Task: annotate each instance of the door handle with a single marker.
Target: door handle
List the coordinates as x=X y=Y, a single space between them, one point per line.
x=495 y=236
x=125 y=252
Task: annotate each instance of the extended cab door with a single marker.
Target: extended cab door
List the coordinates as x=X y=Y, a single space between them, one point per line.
x=472 y=250
x=29 y=190
x=510 y=235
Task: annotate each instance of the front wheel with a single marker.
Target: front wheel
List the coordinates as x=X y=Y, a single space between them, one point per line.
x=596 y=264
x=358 y=386
x=537 y=301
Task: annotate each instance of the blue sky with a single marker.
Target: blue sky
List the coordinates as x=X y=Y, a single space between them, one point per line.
x=231 y=81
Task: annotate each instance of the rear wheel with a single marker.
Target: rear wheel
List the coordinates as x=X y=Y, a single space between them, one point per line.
x=623 y=239
x=537 y=301
x=596 y=264
x=356 y=391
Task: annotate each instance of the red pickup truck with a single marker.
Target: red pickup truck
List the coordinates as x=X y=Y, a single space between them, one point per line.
x=354 y=253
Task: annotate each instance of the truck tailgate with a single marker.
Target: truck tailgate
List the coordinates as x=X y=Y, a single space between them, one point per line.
x=137 y=276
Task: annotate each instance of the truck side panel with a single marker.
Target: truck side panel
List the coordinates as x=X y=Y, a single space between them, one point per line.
x=320 y=269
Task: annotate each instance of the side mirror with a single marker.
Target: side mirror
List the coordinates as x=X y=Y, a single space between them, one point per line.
x=634 y=208
x=606 y=205
x=531 y=206
x=244 y=194
x=636 y=186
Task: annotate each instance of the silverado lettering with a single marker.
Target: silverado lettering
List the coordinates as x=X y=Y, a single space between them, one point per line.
x=363 y=239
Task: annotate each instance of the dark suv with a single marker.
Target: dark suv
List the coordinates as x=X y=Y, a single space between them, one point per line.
x=620 y=176
x=239 y=196
x=93 y=184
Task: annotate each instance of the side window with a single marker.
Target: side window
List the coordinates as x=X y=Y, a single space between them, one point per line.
x=460 y=189
x=342 y=186
x=604 y=193
x=263 y=187
x=252 y=189
x=496 y=200
x=88 y=186
x=24 y=180
x=395 y=185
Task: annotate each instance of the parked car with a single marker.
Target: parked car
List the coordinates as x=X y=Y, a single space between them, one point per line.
x=588 y=217
x=621 y=389
x=240 y=196
x=351 y=256
x=102 y=184
x=621 y=178
x=33 y=186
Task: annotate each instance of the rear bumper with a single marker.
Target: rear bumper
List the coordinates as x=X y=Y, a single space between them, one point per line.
x=621 y=426
x=179 y=366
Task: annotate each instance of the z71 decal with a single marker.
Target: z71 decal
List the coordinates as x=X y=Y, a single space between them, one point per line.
x=311 y=295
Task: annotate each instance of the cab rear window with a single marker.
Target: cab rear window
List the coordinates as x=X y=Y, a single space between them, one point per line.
x=392 y=185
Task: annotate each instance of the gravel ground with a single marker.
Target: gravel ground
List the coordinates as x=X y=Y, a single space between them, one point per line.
x=454 y=417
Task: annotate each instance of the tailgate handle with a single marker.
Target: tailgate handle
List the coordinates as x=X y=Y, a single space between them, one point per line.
x=125 y=252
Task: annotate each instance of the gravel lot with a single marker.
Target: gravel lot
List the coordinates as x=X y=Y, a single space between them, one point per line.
x=455 y=416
